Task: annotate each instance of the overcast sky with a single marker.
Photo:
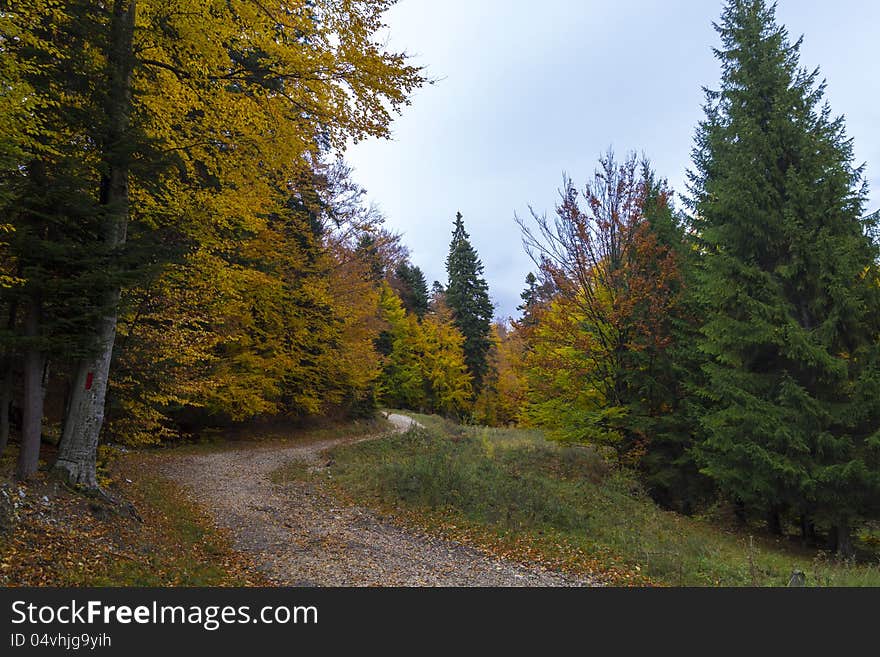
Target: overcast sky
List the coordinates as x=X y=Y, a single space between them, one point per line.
x=528 y=90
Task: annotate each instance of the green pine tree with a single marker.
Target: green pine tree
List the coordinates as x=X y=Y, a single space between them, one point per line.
x=788 y=285
x=658 y=372
x=530 y=300
x=414 y=292
x=467 y=294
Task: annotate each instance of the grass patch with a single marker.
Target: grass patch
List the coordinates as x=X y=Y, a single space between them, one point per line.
x=514 y=493
x=298 y=470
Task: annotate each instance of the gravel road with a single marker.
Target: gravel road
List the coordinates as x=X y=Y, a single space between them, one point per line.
x=300 y=535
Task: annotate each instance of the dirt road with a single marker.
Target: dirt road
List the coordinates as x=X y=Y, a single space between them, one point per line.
x=300 y=535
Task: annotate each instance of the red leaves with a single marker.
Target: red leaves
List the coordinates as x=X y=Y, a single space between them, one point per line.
x=608 y=266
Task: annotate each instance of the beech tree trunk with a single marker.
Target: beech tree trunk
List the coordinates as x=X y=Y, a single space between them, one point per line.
x=77 y=451
x=34 y=392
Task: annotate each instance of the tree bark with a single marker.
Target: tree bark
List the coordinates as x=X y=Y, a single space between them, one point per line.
x=34 y=392
x=77 y=451
x=7 y=371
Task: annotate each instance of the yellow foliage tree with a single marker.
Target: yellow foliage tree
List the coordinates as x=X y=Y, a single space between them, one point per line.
x=444 y=368
x=425 y=369
x=567 y=369
x=284 y=325
x=207 y=119
x=504 y=396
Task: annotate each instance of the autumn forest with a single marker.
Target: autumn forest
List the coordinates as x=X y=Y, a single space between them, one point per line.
x=186 y=253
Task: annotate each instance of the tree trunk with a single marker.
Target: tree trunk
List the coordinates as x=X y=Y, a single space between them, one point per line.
x=843 y=534
x=32 y=419
x=7 y=371
x=77 y=452
x=808 y=530
x=85 y=415
x=739 y=510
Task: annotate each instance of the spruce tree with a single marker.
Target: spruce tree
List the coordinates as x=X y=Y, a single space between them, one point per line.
x=414 y=288
x=788 y=285
x=530 y=300
x=467 y=294
x=658 y=371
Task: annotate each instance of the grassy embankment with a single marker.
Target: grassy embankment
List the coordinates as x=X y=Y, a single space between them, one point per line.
x=513 y=493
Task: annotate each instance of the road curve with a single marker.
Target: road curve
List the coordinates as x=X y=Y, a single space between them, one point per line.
x=301 y=535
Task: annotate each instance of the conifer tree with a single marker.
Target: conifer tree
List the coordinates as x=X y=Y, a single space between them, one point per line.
x=788 y=285
x=414 y=288
x=467 y=294
x=661 y=367
x=530 y=299
x=536 y=297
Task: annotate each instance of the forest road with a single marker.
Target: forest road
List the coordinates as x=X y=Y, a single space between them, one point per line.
x=299 y=534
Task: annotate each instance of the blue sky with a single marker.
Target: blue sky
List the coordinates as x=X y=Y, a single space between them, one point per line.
x=528 y=90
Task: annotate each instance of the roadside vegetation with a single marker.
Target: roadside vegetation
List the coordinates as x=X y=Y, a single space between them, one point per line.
x=513 y=492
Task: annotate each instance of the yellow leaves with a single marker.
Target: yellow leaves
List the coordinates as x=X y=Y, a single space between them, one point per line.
x=444 y=366
x=6 y=277
x=391 y=308
x=426 y=367
x=273 y=327
x=503 y=398
x=242 y=96
x=235 y=105
x=246 y=88
x=354 y=361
